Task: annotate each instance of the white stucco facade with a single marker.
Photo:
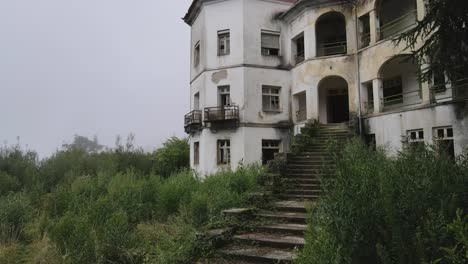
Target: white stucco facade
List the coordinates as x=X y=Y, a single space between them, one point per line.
x=354 y=72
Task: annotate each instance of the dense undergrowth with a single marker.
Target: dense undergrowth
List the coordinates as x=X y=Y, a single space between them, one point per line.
x=116 y=206
x=379 y=209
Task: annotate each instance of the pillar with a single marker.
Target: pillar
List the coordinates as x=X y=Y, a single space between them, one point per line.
x=374 y=25
x=378 y=95
x=421 y=9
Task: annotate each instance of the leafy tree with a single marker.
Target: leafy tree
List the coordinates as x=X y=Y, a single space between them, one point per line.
x=444 y=30
x=173 y=156
x=85 y=144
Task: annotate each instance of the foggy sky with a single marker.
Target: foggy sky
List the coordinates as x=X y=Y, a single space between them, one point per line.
x=92 y=67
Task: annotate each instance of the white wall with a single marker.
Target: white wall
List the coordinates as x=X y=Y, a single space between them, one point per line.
x=389 y=128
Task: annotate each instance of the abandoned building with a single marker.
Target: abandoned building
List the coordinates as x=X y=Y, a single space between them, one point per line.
x=261 y=69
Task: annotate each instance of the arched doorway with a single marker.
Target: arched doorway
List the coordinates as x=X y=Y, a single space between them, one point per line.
x=330 y=30
x=333 y=100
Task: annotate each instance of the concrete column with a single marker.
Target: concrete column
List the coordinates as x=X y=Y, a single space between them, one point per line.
x=310 y=42
x=421 y=9
x=313 y=103
x=425 y=93
x=378 y=95
x=374 y=25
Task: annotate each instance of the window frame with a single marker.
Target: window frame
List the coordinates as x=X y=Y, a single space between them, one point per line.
x=268 y=95
x=225 y=37
x=196 y=153
x=196 y=54
x=266 y=51
x=223 y=150
x=270 y=145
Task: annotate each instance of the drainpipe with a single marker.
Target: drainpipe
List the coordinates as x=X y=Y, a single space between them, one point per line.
x=358 y=76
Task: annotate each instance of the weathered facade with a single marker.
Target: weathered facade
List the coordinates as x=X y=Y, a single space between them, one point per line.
x=260 y=69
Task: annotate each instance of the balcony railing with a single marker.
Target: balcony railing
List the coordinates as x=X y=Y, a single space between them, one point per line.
x=457 y=90
x=332 y=48
x=193 y=121
x=365 y=40
x=404 y=99
x=398 y=25
x=222 y=116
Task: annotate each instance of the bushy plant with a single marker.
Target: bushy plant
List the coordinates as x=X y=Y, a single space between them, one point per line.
x=379 y=209
x=172 y=157
x=15 y=213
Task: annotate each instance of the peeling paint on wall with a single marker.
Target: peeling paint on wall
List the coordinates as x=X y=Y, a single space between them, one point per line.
x=219 y=75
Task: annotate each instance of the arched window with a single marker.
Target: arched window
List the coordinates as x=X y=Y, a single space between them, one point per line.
x=331 y=34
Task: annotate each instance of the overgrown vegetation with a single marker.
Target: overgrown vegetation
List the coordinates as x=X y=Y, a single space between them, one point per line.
x=112 y=206
x=306 y=138
x=381 y=209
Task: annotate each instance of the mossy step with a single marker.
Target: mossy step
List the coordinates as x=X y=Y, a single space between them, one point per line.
x=295 y=229
x=258 y=254
x=289 y=217
x=271 y=240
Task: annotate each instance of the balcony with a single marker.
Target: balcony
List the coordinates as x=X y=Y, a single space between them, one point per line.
x=222 y=117
x=332 y=48
x=193 y=121
x=398 y=25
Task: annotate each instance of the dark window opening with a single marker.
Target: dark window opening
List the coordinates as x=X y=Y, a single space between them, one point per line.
x=269 y=149
x=196 y=153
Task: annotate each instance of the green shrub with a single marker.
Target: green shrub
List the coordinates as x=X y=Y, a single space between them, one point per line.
x=172 y=157
x=174 y=191
x=74 y=237
x=15 y=213
x=8 y=183
x=379 y=209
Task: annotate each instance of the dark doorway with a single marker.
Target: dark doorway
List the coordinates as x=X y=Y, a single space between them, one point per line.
x=338 y=108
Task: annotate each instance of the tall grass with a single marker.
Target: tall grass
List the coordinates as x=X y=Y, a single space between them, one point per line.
x=378 y=209
x=112 y=206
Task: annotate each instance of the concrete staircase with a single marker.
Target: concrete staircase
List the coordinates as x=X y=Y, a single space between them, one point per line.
x=276 y=241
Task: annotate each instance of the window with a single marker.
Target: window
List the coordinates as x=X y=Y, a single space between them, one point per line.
x=224 y=45
x=224 y=152
x=271 y=98
x=269 y=149
x=438 y=81
x=270 y=43
x=196 y=101
x=415 y=137
x=444 y=141
x=364 y=30
x=393 y=91
x=196 y=54
x=299 y=48
x=224 y=95
x=196 y=153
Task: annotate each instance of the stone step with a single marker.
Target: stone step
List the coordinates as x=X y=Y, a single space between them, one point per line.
x=310 y=171
x=311 y=166
x=311 y=162
x=301 y=186
x=300 y=197
x=312 y=154
x=289 y=217
x=294 y=229
x=302 y=192
x=291 y=206
x=307 y=179
x=271 y=240
x=257 y=254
